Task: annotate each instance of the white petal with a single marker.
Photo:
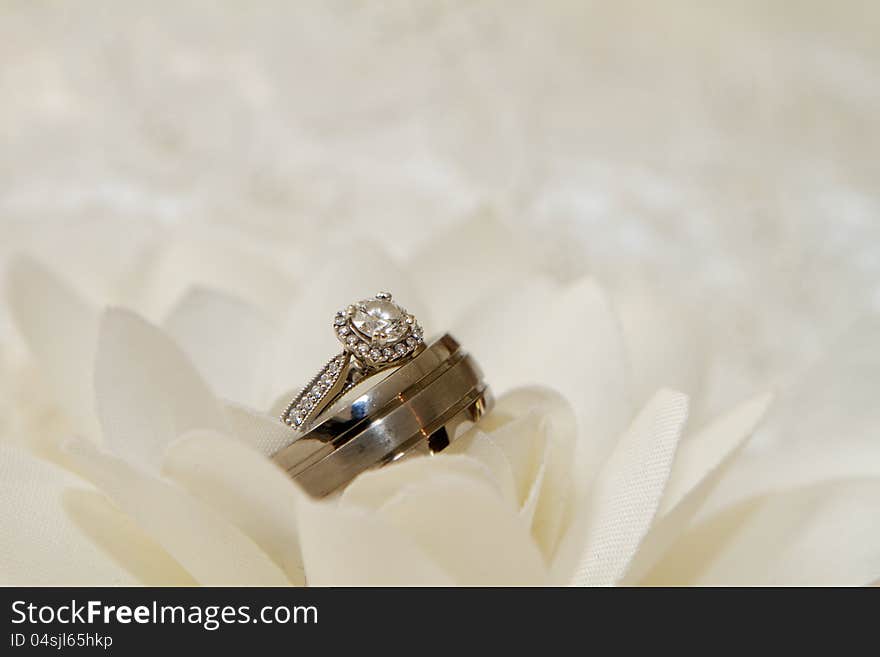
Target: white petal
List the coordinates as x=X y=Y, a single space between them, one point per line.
x=699 y=455
x=120 y=538
x=374 y=488
x=148 y=393
x=39 y=545
x=568 y=339
x=480 y=446
x=495 y=333
x=628 y=491
x=822 y=428
x=61 y=331
x=265 y=433
x=344 y=546
x=665 y=339
x=244 y=487
x=537 y=432
x=175 y=265
x=820 y=535
x=213 y=551
x=700 y=462
x=461 y=266
x=228 y=341
x=464 y=525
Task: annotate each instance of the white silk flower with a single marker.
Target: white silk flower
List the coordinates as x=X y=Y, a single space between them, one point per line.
x=137 y=425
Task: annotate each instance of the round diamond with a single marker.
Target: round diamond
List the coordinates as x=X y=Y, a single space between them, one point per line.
x=340 y=319
x=343 y=330
x=388 y=353
x=363 y=348
x=334 y=367
x=380 y=319
x=351 y=340
x=375 y=354
x=412 y=342
x=400 y=349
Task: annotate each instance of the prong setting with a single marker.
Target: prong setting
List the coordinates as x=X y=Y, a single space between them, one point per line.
x=378 y=332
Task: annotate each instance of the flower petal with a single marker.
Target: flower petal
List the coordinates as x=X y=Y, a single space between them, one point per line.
x=244 y=487
x=345 y=546
x=480 y=446
x=463 y=265
x=148 y=392
x=61 y=330
x=214 y=552
x=117 y=535
x=465 y=525
x=262 y=432
x=822 y=428
x=666 y=342
x=628 y=491
x=228 y=341
x=699 y=455
x=171 y=267
x=819 y=535
x=536 y=429
x=574 y=346
x=39 y=545
x=700 y=463
x=374 y=488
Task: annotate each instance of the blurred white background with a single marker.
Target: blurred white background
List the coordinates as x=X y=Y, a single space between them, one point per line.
x=728 y=152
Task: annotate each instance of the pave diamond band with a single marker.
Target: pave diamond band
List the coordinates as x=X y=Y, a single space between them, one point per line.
x=327 y=384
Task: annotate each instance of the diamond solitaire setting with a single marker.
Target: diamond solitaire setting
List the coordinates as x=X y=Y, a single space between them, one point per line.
x=380 y=320
x=378 y=331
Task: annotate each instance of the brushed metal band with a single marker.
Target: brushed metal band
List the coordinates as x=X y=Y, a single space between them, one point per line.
x=418 y=409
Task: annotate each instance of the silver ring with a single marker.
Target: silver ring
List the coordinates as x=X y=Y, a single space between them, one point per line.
x=351 y=420
x=376 y=334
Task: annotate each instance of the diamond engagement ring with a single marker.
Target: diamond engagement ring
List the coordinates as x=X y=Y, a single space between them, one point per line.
x=376 y=334
x=349 y=418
